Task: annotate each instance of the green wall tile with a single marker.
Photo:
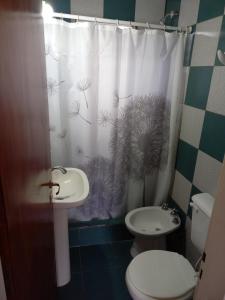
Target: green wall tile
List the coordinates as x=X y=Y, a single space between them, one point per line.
x=209 y=9
x=213 y=135
x=194 y=191
x=186 y=159
x=198 y=86
x=121 y=10
x=221 y=43
x=60 y=6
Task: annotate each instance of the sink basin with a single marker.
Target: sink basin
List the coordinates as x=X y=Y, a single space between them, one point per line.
x=74 y=188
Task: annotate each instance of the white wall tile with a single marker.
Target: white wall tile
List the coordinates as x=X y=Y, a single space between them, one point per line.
x=181 y=191
x=92 y=8
x=191 y=126
x=188 y=12
x=205 y=43
x=149 y=10
x=216 y=100
x=207 y=172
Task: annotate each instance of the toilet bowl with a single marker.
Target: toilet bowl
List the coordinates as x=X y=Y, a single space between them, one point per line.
x=150 y=225
x=157 y=274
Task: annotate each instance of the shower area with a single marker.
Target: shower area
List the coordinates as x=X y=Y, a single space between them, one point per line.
x=115 y=93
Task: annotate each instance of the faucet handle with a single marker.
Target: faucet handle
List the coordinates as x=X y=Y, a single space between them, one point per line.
x=51 y=184
x=176 y=220
x=165 y=206
x=174 y=212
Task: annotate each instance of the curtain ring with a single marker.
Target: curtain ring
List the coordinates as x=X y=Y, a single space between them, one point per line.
x=78 y=18
x=118 y=23
x=149 y=26
x=96 y=22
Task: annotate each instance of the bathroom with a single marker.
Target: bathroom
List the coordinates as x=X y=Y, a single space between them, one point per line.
x=134 y=119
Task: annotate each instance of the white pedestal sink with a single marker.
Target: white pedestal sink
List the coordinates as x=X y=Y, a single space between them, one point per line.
x=74 y=189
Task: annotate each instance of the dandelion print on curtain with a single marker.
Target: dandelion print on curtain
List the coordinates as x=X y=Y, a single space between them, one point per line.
x=114 y=101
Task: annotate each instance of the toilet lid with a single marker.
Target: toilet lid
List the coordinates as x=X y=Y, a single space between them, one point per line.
x=162 y=274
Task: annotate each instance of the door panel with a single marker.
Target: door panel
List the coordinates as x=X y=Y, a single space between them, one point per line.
x=211 y=286
x=26 y=225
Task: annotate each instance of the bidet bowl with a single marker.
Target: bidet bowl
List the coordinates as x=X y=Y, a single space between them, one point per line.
x=150 y=221
x=150 y=225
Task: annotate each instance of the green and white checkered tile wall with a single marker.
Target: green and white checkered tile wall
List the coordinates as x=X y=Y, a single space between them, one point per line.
x=202 y=139
x=130 y=10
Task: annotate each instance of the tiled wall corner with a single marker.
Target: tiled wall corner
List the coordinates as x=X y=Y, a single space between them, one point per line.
x=172 y=5
x=202 y=139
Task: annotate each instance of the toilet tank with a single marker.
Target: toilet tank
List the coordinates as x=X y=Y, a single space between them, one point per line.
x=202 y=206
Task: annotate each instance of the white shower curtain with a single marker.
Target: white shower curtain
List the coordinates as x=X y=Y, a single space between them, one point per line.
x=115 y=97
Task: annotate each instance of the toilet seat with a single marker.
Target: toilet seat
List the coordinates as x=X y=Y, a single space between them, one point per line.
x=162 y=275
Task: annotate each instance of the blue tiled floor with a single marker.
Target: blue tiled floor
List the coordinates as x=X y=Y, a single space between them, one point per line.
x=98 y=272
x=100 y=234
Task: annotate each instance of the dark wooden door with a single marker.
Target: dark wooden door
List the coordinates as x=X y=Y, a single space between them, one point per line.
x=26 y=213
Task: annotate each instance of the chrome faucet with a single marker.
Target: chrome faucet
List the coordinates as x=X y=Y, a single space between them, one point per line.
x=63 y=170
x=174 y=212
x=165 y=206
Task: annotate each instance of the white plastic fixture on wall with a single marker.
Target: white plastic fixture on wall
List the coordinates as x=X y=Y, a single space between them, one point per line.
x=221 y=56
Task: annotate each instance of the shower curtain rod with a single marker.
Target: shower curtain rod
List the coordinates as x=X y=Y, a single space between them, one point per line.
x=187 y=29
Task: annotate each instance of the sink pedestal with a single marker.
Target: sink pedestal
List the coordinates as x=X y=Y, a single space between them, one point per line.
x=73 y=192
x=62 y=253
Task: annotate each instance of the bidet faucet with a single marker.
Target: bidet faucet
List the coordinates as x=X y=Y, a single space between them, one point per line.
x=175 y=220
x=62 y=169
x=165 y=206
x=174 y=212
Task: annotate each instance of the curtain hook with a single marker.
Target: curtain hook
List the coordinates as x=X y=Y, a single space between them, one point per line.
x=118 y=23
x=78 y=18
x=96 y=22
x=164 y=27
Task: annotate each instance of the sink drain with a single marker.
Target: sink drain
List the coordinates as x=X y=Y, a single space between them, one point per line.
x=157 y=229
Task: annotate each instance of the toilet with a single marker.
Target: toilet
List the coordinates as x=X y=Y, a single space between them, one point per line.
x=159 y=274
